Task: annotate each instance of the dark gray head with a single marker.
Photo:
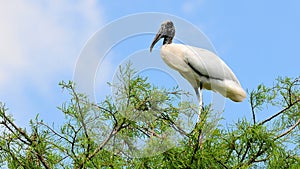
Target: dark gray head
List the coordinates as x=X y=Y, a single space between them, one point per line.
x=166 y=31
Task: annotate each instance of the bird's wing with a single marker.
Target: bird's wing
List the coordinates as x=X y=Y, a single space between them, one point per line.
x=207 y=64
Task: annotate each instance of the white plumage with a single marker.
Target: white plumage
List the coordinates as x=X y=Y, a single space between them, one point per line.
x=202 y=68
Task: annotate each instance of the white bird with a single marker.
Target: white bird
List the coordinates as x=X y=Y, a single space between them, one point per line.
x=200 y=67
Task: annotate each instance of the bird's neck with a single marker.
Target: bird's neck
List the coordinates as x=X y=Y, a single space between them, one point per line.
x=167 y=40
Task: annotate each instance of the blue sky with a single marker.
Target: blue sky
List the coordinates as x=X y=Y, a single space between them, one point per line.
x=41 y=41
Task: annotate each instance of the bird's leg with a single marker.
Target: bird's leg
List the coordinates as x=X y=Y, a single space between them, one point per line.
x=199 y=120
x=200 y=103
x=199 y=96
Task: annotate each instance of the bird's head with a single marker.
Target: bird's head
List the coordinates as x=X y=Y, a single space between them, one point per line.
x=166 y=31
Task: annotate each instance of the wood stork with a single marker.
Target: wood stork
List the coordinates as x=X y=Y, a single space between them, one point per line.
x=200 y=67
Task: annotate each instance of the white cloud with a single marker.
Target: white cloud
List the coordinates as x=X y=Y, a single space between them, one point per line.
x=40 y=41
x=191 y=6
x=39 y=34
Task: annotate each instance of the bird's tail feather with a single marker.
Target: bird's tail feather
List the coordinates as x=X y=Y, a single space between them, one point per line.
x=229 y=89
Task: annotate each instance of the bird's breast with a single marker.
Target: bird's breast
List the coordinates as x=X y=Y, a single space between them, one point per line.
x=173 y=56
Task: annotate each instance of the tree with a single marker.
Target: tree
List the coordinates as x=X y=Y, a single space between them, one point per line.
x=106 y=134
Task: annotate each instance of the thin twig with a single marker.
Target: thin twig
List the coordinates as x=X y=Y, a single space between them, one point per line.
x=13 y=155
x=260 y=151
x=54 y=132
x=173 y=124
x=220 y=162
x=110 y=112
x=82 y=120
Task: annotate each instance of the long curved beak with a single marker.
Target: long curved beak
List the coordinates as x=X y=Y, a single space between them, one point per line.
x=158 y=36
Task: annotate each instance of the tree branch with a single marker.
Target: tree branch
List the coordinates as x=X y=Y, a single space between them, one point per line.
x=288 y=131
x=19 y=130
x=252 y=107
x=280 y=112
x=244 y=155
x=7 y=121
x=41 y=158
x=113 y=132
x=260 y=151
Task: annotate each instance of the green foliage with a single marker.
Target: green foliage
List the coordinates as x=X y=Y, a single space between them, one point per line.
x=141 y=126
